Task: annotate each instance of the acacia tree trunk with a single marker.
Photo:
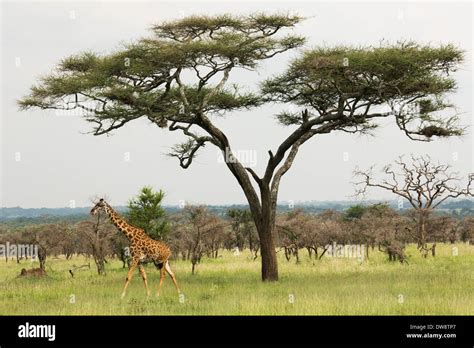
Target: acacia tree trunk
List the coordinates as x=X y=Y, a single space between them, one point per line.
x=269 y=186
x=297 y=254
x=99 y=256
x=250 y=241
x=255 y=252
x=263 y=212
x=268 y=253
x=287 y=253
x=99 y=262
x=322 y=254
x=263 y=206
x=266 y=232
x=422 y=234
x=42 y=258
x=196 y=252
x=422 y=229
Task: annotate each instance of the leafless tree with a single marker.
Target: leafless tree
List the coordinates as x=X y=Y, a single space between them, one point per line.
x=47 y=237
x=120 y=246
x=294 y=229
x=243 y=231
x=467 y=229
x=298 y=229
x=383 y=226
x=199 y=232
x=68 y=241
x=443 y=229
x=424 y=184
x=97 y=237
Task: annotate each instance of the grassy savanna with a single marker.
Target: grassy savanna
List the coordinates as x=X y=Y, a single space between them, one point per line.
x=230 y=285
x=179 y=78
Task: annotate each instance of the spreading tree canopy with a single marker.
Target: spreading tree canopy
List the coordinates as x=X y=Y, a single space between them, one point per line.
x=347 y=87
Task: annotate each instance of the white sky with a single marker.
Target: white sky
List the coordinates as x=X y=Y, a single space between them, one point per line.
x=59 y=163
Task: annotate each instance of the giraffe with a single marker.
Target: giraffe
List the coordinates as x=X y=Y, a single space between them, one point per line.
x=142 y=248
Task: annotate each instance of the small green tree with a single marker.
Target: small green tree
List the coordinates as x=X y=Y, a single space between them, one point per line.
x=145 y=211
x=354 y=212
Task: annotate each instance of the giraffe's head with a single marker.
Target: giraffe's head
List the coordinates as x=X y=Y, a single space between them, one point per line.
x=100 y=205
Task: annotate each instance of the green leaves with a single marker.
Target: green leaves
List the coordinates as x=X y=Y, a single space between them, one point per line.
x=288 y=118
x=177 y=75
x=179 y=78
x=145 y=211
x=372 y=73
x=194 y=27
x=82 y=62
x=353 y=81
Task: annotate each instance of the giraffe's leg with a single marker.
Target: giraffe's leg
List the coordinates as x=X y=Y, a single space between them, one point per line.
x=168 y=269
x=143 y=274
x=129 y=275
x=162 y=278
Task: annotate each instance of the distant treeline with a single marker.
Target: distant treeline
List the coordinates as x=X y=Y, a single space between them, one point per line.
x=24 y=216
x=196 y=233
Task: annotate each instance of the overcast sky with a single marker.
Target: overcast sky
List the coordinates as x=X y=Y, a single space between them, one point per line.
x=47 y=161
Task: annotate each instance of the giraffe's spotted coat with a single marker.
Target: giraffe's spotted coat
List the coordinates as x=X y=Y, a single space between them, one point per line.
x=142 y=247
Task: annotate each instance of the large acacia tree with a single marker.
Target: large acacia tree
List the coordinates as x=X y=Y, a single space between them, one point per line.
x=178 y=79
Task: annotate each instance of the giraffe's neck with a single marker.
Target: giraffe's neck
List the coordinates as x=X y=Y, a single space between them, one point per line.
x=119 y=222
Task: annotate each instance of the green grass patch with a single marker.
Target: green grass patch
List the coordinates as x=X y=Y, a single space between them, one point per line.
x=230 y=285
